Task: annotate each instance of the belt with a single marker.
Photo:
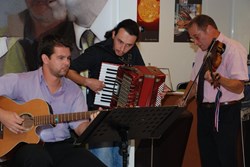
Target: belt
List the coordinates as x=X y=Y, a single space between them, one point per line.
x=210 y=105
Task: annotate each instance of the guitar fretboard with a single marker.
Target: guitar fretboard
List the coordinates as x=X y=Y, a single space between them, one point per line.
x=60 y=118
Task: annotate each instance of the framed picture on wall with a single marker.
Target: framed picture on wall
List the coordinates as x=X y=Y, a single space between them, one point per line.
x=185 y=10
x=148 y=18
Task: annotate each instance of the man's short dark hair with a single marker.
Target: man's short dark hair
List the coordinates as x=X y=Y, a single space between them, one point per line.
x=49 y=42
x=202 y=21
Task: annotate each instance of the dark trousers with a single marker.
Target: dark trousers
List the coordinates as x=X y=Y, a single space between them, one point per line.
x=218 y=149
x=59 y=154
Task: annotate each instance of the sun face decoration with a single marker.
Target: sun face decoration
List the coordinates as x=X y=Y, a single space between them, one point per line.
x=149 y=10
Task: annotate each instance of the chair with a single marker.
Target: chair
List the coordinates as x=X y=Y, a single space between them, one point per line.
x=181 y=85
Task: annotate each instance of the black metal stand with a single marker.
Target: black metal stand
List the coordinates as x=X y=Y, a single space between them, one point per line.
x=124 y=146
x=123 y=124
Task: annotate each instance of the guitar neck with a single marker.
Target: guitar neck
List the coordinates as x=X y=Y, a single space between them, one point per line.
x=60 y=118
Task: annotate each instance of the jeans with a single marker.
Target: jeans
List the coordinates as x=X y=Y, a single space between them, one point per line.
x=108 y=155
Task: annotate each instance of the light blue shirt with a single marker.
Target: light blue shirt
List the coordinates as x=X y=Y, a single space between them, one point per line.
x=24 y=87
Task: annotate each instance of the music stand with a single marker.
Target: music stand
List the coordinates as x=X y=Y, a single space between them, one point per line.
x=123 y=124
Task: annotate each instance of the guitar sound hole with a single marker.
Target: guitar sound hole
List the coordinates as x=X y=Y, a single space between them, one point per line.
x=28 y=121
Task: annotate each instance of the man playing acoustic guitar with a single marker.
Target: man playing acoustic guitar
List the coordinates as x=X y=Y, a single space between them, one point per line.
x=46 y=84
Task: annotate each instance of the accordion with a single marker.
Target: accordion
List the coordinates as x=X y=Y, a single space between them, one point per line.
x=133 y=86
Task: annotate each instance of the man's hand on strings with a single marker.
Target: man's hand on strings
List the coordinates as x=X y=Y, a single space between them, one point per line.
x=212 y=78
x=82 y=127
x=95 y=113
x=12 y=121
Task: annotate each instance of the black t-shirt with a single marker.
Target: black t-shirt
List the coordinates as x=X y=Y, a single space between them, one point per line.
x=93 y=57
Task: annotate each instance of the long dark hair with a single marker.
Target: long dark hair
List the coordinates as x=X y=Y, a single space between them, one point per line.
x=129 y=25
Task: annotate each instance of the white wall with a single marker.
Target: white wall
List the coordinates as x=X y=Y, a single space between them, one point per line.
x=178 y=57
x=232 y=18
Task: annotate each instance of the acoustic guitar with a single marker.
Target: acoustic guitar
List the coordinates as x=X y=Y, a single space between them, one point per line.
x=35 y=113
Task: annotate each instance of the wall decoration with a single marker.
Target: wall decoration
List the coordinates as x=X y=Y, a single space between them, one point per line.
x=185 y=10
x=148 y=17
